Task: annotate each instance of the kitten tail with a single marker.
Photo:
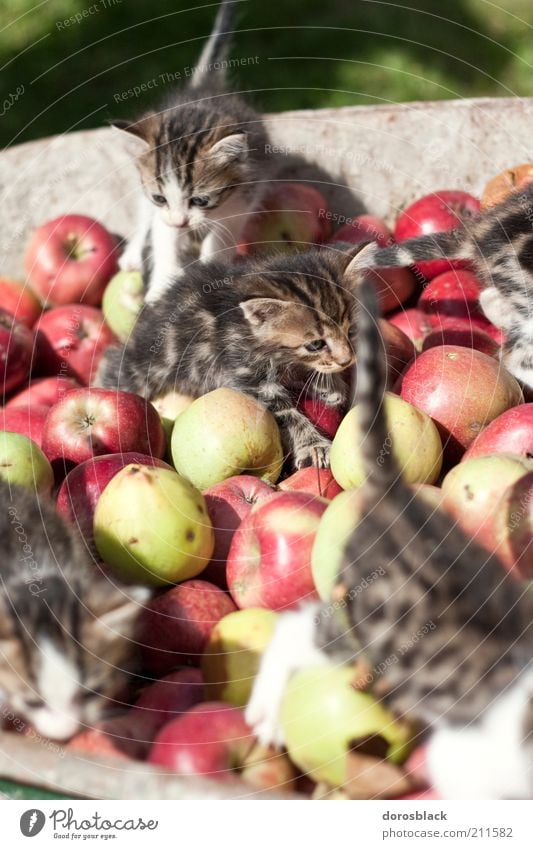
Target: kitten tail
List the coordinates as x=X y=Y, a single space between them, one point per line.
x=217 y=46
x=452 y=244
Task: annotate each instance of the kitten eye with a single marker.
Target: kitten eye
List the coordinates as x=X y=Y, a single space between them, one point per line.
x=159 y=200
x=316 y=345
x=199 y=200
x=34 y=704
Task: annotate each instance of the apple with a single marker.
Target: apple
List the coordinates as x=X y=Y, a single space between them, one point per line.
x=175 y=693
x=399 y=349
x=213 y=739
x=71 y=341
x=27 y=420
x=462 y=390
x=82 y=487
x=89 y=422
x=293 y=215
x=70 y=260
x=312 y=480
x=20 y=300
x=233 y=653
x=323 y=716
x=364 y=228
x=151 y=525
x=45 y=391
x=472 y=488
x=325 y=417
x=413 y=437
x=16 y=347
x=505 y=183
x=394 y=286
x=411 y=322
x=434 y=213
x=511 y=432
x=512 y=531
x=23 y=463
x=122 y=737
x=122 y=301
x=455 y=295
x=175 y=625
x=269 y=562
x=226 y=433
x=228 y=502
x=170 y=405
x=335 y=529
x=464 y=334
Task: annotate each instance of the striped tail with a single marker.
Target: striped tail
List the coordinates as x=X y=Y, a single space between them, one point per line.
x=217 y=46
x=374 y=434
x=451 y=244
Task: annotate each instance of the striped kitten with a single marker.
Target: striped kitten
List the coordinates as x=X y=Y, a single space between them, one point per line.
x=201 y=160
x=465 y=622
x=65 y=628
x=258 y=327
x=499 y=244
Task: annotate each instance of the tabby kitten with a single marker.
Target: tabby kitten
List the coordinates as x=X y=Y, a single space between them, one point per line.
x=201 y=160
x=258 y=327
x=465 y=620
x=65 y=628
x=499 y=244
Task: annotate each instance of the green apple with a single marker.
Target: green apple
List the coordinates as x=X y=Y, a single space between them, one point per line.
x=233 y=652
x=226 y=433
x=22 y=462
x=322 y=714
x=413 y=438
x=152 y=526
x=336 y=527
x=123 y=298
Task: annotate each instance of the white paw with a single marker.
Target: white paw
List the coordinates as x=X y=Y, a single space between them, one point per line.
x=130 y=260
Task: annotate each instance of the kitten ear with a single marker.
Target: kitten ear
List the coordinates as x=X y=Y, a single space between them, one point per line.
x=259 y=311
x=359 y=257
x=141 y=132
x=230 y=149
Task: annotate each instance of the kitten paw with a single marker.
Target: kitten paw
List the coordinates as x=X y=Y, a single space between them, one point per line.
x=316 y=454
x=130 y=261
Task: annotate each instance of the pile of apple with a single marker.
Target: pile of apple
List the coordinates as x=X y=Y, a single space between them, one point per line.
x=191 y=496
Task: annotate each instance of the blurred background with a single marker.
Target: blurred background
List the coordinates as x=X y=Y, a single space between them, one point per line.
x=61 y=73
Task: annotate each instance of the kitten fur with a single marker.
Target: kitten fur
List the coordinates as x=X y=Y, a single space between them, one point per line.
x=65 y=628
x=444 y=619
x=203 y=166
x=246 y=326
x=499 y=244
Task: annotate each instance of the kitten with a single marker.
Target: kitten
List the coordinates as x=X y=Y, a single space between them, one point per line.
x=465 y=676
x=499 y=245
x=203 y=166
x=259 y=327
x=65 y=628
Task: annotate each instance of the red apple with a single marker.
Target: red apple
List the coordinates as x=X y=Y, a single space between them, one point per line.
x=312 y=480
x=443 y=210
x=88 y=422
x=71 y=341
x=393 y=285
x=27 y=420
x=213 y=739
x=399 y=348
x=512 y=530
x=70 y=260
x=20 y=300
x=412 y=323
x=509 y=433
x=45 y=391
x=326 y=418
x=455 y=295
x=462 y=390
x=462 y=333
x=175 y=693
x=82 y=487
x=228 y=502
x=175 y=626
x=127 y=737
x=292 y=215
x=364 y=228
x=269 y=563
x=16 y=346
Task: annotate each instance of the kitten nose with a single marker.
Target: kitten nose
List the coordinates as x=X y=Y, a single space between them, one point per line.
x=181 y=222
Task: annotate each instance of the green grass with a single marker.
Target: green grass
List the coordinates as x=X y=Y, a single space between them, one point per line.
x=311 y=53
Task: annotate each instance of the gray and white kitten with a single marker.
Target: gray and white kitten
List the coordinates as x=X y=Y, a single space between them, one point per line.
x=66 y=629
x=203 y=166
x=499 y=245
x=466 y=675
